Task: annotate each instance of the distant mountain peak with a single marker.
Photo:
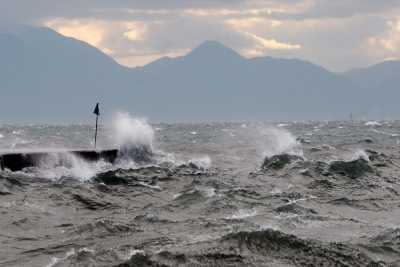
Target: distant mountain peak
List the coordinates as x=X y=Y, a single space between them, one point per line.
x=211 y=44
x=213 y=49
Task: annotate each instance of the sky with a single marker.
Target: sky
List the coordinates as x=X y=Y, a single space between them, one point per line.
x=339 y=34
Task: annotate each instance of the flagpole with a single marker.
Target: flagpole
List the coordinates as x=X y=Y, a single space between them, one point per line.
x=95 y=134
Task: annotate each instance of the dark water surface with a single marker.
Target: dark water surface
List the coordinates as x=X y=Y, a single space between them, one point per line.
x=205 y=200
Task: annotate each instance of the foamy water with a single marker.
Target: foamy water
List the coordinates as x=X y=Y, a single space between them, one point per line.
x=171 y=211
x=128 y=133
x=242 y=214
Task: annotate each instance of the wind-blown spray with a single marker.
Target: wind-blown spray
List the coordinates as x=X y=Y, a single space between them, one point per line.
x=134 y=137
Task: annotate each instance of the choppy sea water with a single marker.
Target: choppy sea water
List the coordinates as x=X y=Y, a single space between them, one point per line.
x=208 y=198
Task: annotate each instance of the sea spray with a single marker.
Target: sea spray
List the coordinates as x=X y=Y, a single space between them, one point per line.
x=135 y=140
x=134 y=137
x=203 y=162
x=279 y=141
x=58 y=165
x=357 y=154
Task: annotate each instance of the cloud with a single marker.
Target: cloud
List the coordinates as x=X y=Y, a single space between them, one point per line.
x=386 y=44
x=114 y=38
x=272 y=43
x=251 y=22
x=258 y=45
x=89 y=31
x=136 y=31
x=347 y=8
x=390 y=39
x=135 y=43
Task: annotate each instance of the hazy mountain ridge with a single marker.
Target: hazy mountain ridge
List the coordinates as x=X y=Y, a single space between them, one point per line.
x=381 y=74
x=45 y=76
x=380 y=82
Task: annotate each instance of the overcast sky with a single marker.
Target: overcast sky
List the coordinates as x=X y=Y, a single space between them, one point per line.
x=337 y=34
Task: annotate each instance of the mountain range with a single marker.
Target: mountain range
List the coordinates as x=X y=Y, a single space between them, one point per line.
x=47 y=77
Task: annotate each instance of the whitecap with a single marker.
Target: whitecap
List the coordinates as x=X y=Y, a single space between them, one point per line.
x=17 y=132
x=55 y=261
x=357 y=154
x=58 y=165
x=278 y=141
x=201 y=238
x=127 y=255
x=206 y=191
x=372 y=123
x=276 y=191
x=201 y=162
x=156 y=187
x=175 y=196
x=268 y=226
x=86 y=250
x=242 y=214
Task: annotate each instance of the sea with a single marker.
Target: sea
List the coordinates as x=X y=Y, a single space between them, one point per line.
x=306 y=193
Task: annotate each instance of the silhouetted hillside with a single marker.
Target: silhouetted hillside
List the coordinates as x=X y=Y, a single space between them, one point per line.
x=45 y=76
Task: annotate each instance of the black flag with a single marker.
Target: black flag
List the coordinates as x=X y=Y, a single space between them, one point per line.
x=97 y=110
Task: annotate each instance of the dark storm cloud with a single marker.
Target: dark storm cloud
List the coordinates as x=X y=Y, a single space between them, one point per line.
x=347 y=8
x=28 y=11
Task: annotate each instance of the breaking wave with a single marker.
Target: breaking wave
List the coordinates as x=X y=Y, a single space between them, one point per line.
x=134 y=138
x=58 y=165
x=280 y=141
x=129 y=131
x=357 y=154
